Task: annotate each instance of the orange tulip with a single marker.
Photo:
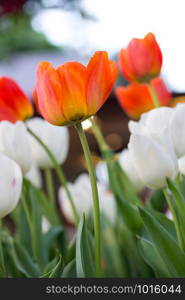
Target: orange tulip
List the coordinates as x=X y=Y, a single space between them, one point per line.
x=72 y=92
x=142 y=60
x=136 y=99
x=14 y=105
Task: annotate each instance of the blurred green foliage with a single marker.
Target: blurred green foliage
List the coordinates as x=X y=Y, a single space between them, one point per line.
x=17 y=35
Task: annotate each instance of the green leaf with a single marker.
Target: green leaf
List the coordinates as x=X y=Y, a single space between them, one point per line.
x=50 y=240
x=152 y=258
x=172 y=255
x=115 y=264
x=165 y=222
x=157 y=200
x=54 y=268
x=84 y=257
x=70 y=270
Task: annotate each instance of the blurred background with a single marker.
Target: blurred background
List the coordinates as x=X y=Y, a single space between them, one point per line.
x=63 y=30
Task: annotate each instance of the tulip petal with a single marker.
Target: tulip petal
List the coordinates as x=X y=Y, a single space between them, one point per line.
x=73 y=78
x=153 y=163
x=134 y=99
x=49 y=92
x=15 y=100
x=101 y=75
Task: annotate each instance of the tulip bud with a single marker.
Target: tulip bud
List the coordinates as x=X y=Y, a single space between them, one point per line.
x=153 y=158
x=54 y=137
x=15 y=144
x=142 y=60
x=10 y=185
x=82 y=197
x=130 y=170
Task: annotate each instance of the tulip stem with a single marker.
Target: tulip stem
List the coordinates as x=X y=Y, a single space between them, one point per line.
x=60 y=174
x=50 y=187
x=2 y=262
x=96 y=214
x=154 y=96
x=99 y=136
x=176 y=223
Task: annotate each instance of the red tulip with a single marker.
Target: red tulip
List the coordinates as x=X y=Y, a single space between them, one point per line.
x=142 y=60
x=136 y=99
x=14 y=105
x=72 y=92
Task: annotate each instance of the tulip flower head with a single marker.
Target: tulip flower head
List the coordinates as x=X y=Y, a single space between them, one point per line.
x=10 y=185
x=14 y=105
x=54 y=137
x=72 y=92
x=141 y=60
x=136 y=98
x=15 y=144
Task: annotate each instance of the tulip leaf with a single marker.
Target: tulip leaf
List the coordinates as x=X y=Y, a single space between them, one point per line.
x=152 y=258
x=115 y=264
x=165 y=222
x=70 y=270
x=168 y=249
x=157 y=200
x=84 y=257
x=50 y=240
x=54 y=268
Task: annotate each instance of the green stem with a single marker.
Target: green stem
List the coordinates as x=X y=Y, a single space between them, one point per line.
x=176 y=223
x=154 y=96
x=50 y=187
x=99 y=136
x=2 y=261
x=59 y=172
x=97 y=228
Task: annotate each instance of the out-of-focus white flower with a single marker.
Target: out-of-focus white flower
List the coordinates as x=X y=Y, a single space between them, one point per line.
x=34 y=176
x=102 y=173
x=169 y=215
x=130 y=170
x=177 y=129
x=10 y=185
x=181 y=163
x=82 y=197
x=54 y=137
x=45 y=225
x=15 y=144
x=170 y=121
x=153 y=159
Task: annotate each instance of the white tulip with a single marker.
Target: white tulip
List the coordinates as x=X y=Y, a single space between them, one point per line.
x=167 y=120
x=177 y=129
x=15 y=144
x=130 y=170
x=153 y=159
x=34 y=176
x=54 y=137
x=82 y=197
x=10 y=185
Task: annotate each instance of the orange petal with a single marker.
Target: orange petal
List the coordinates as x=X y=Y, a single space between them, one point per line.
x=134 y=99
x=7 y=113
x=14 y=99
x=125 y=66
x=101 y=75
x=49 y=92
x=73 y=79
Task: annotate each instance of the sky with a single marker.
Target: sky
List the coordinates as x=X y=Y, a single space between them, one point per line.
x=115 y=23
